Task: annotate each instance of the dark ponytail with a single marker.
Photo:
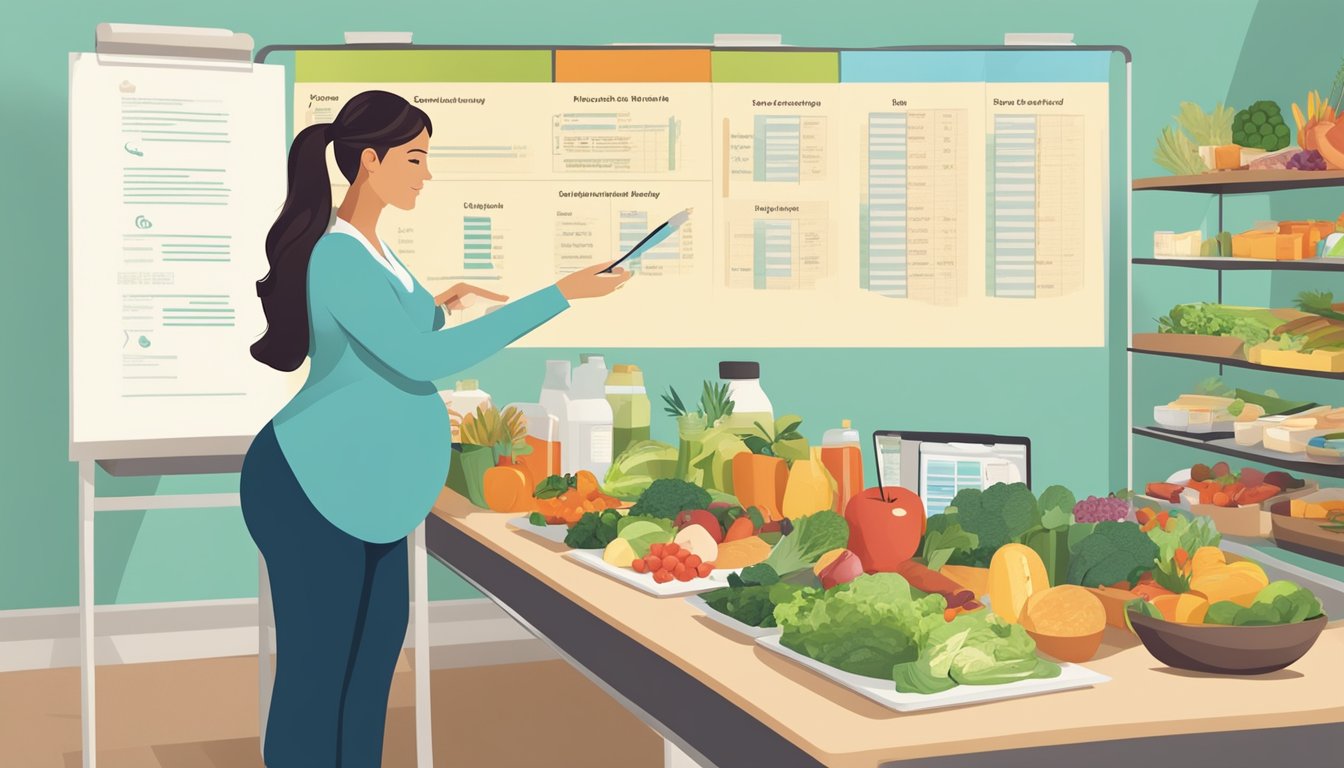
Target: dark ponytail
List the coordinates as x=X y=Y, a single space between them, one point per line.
x=373 y=119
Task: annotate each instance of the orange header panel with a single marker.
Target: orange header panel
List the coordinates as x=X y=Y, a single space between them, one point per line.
x=634 y=66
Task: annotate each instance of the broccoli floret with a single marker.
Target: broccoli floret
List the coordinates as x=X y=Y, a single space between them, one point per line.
x=668 y=497
x=595 y=530
x=1261 y=126
x=999 y=514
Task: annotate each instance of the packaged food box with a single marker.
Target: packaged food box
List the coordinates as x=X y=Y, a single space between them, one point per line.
x=1326 y=361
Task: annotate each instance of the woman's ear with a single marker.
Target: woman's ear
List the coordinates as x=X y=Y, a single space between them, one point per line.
x=368 y=160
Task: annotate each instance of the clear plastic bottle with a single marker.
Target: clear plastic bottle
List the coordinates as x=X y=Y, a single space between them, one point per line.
x=842 y=454
x=543 y=437
x=630 y=409
x=463 y=399
x=555 y=398
x=589 y=438
x=750 y=404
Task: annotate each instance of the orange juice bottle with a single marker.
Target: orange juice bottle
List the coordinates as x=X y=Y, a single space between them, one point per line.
x=843 y=458
x=543 y=437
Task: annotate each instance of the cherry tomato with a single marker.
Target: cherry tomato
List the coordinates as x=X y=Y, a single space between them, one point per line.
x=693 y=561
x=639 y=566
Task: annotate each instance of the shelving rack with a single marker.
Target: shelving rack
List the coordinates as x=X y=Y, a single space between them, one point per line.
x=1221 y=184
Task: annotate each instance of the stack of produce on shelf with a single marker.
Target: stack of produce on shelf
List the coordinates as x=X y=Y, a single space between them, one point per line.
x=1321 y=129
x=1256 y=137
x=1239 y=503
x=1310 y=337
x=1267 y=241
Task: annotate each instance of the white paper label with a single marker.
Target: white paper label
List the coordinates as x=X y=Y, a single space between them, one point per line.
x=599 y=442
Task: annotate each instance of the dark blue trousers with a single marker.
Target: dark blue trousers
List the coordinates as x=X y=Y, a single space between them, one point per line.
x=341 y=609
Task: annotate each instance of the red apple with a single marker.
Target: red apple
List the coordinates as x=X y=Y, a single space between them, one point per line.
x=842 y=568
x=884 y=530
x=703 y=518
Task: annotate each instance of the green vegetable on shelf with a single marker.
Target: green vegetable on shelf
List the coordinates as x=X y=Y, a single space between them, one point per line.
x=1206 y=128
x=1252 y=325
x=1261 y=126
x=1178 y=154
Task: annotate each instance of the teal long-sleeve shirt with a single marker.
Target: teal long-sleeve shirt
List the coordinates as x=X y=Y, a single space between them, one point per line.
x=367 y=436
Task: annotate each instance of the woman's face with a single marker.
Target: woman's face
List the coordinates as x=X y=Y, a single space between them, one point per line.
x=398 y=178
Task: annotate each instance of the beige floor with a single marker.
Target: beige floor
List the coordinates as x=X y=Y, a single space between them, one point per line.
x=203 y=714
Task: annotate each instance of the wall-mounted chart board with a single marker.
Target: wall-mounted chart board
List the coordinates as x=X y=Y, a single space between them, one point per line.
x=850 y=198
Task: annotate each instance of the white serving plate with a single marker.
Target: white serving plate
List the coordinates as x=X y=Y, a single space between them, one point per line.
x=724 y=619
x=884 y=692
x=554 y=533
x=644 y=582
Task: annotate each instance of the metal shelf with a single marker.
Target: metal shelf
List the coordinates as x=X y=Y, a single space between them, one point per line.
x=1303 y=265
x=1235 y=363
x=1259 y=455
x=1242 y=182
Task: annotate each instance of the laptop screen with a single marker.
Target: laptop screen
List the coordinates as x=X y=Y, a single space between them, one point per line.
x=938 y=465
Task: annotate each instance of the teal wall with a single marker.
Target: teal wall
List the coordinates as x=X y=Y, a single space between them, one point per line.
x=1069 y=401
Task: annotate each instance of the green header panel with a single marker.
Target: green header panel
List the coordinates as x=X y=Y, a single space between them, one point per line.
x=776 y=66
x=412 y=66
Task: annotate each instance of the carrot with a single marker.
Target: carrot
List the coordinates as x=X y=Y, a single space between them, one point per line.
x=740 y=529
x=586 y=483
x=759 y=481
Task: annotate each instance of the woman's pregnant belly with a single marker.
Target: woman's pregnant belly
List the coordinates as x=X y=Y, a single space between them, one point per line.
x=370 y=456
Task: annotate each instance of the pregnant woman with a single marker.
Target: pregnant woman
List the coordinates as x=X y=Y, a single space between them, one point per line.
x=352 y=464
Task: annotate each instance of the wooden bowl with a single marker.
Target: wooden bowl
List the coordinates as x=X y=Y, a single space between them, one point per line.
x=1077 y=649
x=1226 y=650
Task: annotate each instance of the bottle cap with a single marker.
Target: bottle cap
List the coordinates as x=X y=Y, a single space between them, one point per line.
x=624 y=368
x=844 y=423
x=738 y=370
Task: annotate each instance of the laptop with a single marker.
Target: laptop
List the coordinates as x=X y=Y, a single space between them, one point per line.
x=937 y=465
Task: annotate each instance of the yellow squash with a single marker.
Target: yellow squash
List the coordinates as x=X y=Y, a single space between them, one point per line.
x=1015 y=572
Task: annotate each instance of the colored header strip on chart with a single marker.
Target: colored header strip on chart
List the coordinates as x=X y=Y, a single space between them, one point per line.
x=698 y=65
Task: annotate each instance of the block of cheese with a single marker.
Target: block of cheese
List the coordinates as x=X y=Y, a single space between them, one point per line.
x=1176 y=245
x=1227 y=156
x=1289 y=247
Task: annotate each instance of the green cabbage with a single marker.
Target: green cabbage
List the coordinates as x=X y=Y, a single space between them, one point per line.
x=637 y=467
x=865 y=627
x=973 y=649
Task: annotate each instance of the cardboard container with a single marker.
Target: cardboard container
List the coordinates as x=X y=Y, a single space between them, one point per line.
x=1190 y=344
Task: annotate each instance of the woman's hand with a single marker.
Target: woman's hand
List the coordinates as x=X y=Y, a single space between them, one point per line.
x=592 y=282
x=453 y=297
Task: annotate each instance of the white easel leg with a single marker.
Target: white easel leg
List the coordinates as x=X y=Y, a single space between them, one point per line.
x=673 y=757
x=86 y=603
x=424 y=735
x=265 y=670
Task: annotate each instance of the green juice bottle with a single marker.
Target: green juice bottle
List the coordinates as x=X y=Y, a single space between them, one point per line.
x=629 y=408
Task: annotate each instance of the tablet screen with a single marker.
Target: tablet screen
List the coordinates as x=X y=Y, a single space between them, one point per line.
x=938 y=465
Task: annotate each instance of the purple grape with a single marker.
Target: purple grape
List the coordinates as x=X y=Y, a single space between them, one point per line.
x=1306 y=160
x=1099 y=510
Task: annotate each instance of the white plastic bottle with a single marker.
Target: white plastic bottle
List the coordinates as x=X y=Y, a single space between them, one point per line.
x=750 y=404
x=590 y=422
x=555 y=398
x=463 y=399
